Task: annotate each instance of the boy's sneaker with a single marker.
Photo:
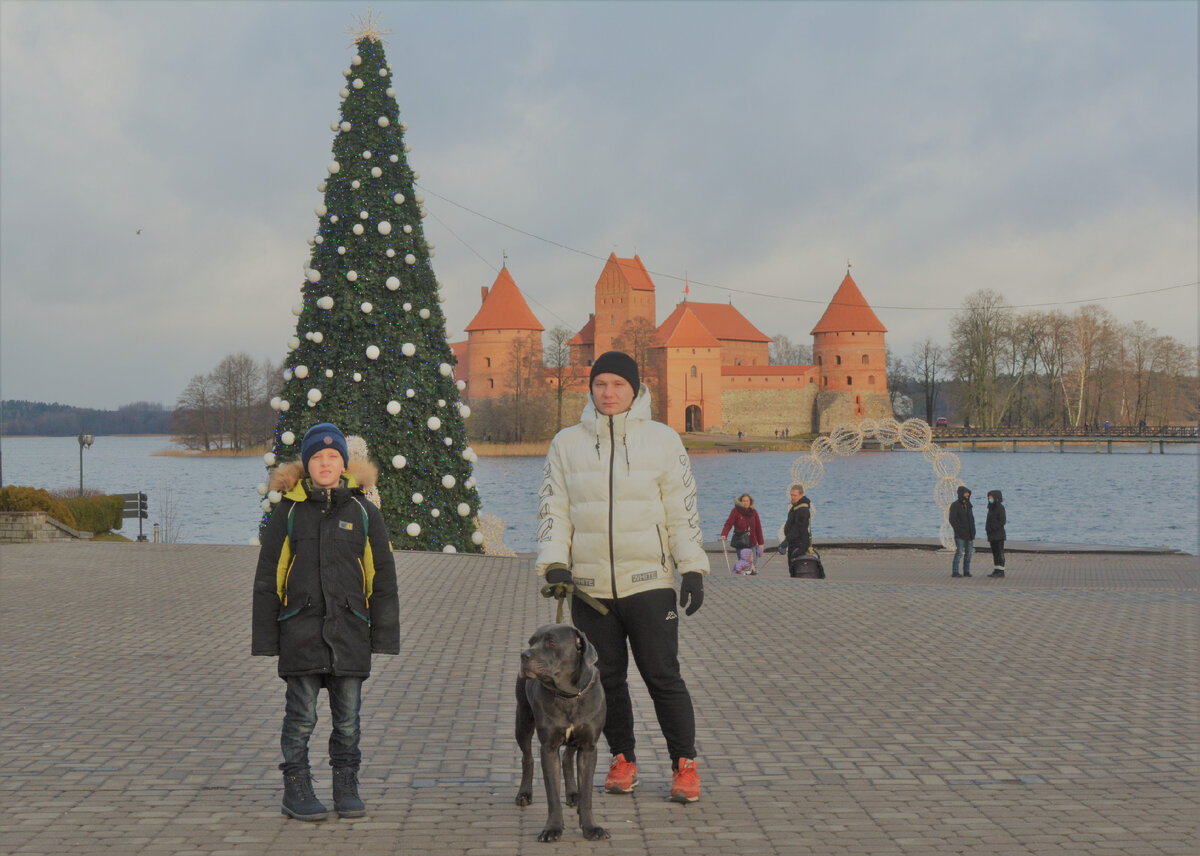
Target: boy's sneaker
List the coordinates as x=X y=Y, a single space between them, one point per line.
x=622 y=776
x=996 y=573
x=686 y=787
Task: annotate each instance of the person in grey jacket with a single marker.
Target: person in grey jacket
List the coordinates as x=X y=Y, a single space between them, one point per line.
x=618 y=521
x=962 y=521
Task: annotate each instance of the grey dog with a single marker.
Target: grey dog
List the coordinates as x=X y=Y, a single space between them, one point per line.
x=559 y=695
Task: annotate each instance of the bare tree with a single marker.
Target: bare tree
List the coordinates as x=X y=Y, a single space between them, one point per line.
x=783 y=352
x=193 y=422
x=897 y=381
x=557 y=356
x=927 y=366
x=1088 y=329
x=635 y=340
x=979 y=334
x=526 y=380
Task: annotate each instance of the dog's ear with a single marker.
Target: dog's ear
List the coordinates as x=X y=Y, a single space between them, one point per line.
x=587 y=651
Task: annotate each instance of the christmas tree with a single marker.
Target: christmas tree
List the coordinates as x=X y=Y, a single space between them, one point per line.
x=370 y=351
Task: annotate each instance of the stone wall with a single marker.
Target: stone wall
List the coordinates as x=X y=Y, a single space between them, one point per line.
x=761 y=412
x=24 y=526
x=836 y=408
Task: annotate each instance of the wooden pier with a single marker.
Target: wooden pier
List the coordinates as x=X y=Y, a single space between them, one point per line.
x=1012 y=439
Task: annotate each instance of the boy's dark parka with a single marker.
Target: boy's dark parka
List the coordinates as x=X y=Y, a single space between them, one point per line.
x=997 y=517
x=323 y=601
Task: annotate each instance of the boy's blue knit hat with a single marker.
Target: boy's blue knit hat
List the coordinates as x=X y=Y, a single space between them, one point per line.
x=325 y=435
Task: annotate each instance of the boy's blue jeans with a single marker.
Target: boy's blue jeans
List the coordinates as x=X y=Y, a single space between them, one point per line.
x=300 y=717
x=965 y=548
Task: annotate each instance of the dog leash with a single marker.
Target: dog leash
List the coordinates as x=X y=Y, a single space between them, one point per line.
x=564 y=590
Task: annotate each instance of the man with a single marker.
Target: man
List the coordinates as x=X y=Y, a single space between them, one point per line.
x=617 y=520
x=797 y=529
x=962 y=521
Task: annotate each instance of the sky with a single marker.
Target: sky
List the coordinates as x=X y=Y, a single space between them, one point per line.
x=159 y=165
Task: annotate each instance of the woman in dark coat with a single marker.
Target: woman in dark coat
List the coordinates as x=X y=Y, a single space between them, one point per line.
x=994 y=527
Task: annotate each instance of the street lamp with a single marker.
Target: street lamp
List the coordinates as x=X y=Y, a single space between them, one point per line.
x=85 y=440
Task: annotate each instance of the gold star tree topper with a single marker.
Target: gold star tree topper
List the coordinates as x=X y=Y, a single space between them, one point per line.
x=367 y=28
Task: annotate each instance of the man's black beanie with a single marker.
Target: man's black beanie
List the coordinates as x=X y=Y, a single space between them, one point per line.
x=618 y=363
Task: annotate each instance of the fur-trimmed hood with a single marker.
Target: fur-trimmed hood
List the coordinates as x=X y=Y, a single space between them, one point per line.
x=362 y=473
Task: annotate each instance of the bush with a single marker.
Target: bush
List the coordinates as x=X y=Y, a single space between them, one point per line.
x=96 y=513
x=32 y=499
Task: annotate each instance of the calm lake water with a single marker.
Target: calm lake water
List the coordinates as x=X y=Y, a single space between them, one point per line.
x=1129 y=498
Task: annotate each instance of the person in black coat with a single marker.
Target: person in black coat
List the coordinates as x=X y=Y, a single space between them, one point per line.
x=994 y=528
x=962 y=521
x=797 y=529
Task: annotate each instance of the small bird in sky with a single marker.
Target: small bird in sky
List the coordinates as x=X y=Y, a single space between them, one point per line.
x=139 y=231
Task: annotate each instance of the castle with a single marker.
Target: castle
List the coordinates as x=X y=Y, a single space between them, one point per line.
x=706 y=365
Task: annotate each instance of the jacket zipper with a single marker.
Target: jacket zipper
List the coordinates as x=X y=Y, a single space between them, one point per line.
x=612 y=457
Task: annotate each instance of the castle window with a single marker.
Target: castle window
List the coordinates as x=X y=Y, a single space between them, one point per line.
x=613 y=320
x=839 y=359
x=826 y=380
x=871 y=380
x=693 y=371
x=866 y=360
x=487 y=362
x=491 y=383
x=812 y=380
x=849 y=381
x=818 y=360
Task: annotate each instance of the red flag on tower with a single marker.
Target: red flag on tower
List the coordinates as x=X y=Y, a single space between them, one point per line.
x=686 y=288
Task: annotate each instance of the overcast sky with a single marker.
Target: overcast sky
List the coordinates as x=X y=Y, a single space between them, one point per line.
x=1044 y=150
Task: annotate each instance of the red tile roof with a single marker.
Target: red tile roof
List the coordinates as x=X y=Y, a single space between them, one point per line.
x=726 y=323
x=683 y=329
x=586 y=336
x=633 y=271
x=504 y=308
x=848 y=312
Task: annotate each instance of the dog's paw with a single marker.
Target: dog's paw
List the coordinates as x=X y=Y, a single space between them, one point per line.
x=596 y=833
x=524 y=798
x=573 y=799
x=550 y=833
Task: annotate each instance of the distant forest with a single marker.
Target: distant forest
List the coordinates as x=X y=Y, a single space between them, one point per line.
x=35 y=418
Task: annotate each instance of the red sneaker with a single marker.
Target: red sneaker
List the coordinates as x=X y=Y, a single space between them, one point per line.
x=686 y=787
x=622 y=776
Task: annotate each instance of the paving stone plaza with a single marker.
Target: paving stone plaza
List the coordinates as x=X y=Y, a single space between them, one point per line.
x=889 y=709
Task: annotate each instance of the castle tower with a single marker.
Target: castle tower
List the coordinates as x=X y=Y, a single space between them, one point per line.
x=502 y=330
x=624 y=294
x=849 y=350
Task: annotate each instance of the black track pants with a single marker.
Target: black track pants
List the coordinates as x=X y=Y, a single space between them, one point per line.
x=648 y=624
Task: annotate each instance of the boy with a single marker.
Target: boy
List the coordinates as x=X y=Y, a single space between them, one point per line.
x=324 y=600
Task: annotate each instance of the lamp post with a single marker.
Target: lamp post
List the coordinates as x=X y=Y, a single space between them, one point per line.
x=85 y=440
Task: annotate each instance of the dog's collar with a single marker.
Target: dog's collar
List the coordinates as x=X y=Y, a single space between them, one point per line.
x=577 y=693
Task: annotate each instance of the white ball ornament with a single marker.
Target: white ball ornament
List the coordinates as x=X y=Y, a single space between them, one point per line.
x=460 y=384
x=328 y=372
x=404 y=127
x=441 y=402
x=357 y=83
x=366 y=154
x=424 y=313
x=410 y=259
x=321 y=187
x=346 y=126
x=352 y=275
x=320 y=239
x=341 y=251
x=333 y=218
x=469 y=483
x=383 y=72
x=449 y=548
x=318 y=336
x=407 y=229
x=448 y=481
x=269 y=459
x=399 y=462
x=321 y=210
x=356 y=184
x=385 y=228
x=345 y=93
x=334 y=167
x=448 y=441
x=390 y=253
x=477 y=537
x=445 y=369
x=262 y=489
x=297 y=309
x=393 y=407
x=408 y=349
x=372 y=352
x=407 y=307
x=366 y=308
x=314 y=394
x=312 y=275
x=358 y=377
x=398 y=198
x=410 y=393
x=358 y=229
x=383 y=121
x=394 y=158
x=266 y=505
x=308 y=335
x=392 y=283
x=301 y=372
x=391 y=92
x=275 y=402
x=293 y=343
x=357 y=60
x=417 y=498
x=434 y=423
x=274 y=496
x=463 y=509
x=346 y=72
x=325 y=301
x=376 y=172
x=333 y=126
x=464 y=411
x=284 y=405
x=435 y=512
x=413 y=530
x=287 y=438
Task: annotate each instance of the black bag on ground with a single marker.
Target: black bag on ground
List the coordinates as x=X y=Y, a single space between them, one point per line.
x=805 y=565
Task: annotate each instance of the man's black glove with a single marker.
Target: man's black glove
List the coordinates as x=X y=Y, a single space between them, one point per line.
x=783 y=548
x=691 y=592
x=558 y=574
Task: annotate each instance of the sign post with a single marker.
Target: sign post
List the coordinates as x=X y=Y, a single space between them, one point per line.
x=136 y=506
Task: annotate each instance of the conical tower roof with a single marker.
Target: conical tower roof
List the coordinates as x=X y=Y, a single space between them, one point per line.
x=504 y=308
x=849 y=312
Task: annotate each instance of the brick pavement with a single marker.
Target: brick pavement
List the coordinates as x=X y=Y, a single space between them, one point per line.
x=887 y=710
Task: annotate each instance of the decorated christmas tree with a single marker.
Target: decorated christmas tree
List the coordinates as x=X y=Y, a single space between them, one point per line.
x=370 y=351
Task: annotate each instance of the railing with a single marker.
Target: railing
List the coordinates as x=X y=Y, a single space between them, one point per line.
x=1146 y=432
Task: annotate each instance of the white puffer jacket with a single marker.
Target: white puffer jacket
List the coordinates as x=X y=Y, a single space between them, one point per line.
x=618 y=504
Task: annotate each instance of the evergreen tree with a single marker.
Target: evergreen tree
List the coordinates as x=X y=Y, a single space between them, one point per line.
x=370 y=351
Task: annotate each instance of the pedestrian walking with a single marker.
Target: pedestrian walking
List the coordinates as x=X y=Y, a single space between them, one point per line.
x=618 y=521
x=993 y=527
x=325 y=599
x=746 y=527
x=962 y=521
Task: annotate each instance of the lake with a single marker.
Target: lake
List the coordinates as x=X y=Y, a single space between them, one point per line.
x=1129 y=498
